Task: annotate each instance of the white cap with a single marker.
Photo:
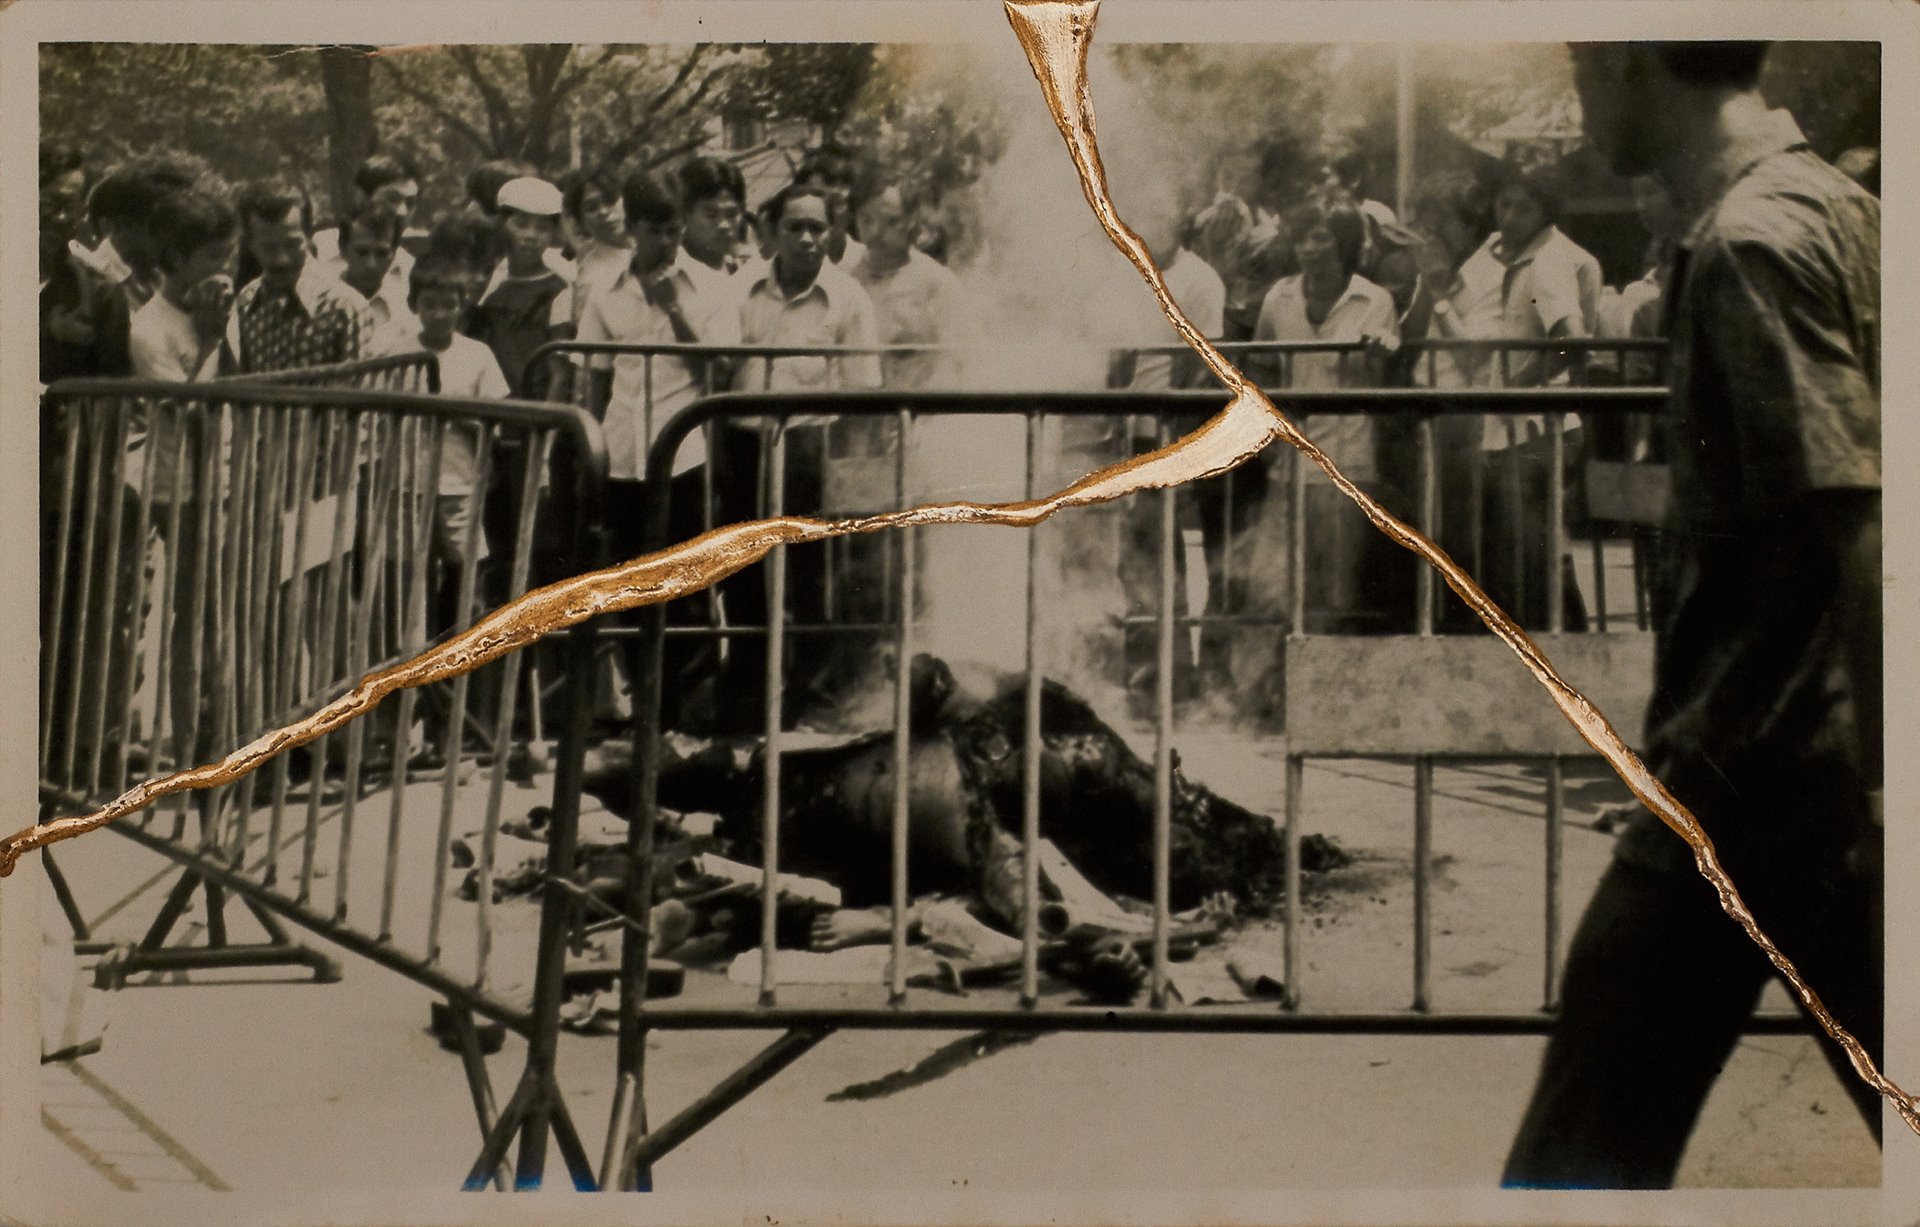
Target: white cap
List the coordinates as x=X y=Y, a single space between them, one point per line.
x=529 y=195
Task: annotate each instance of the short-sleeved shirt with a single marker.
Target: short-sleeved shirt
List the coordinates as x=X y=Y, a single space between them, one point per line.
x=647 y=392
x=468 y=370
x=1524 y=297
x=832 y=311
x=323 y=321
x=1362 y=310
x=917 y=303
x=1772 y=312
x=1202 y=295
x=164 y=345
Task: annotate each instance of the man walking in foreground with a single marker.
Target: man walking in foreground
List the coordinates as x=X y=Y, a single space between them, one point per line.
x=1766 y=711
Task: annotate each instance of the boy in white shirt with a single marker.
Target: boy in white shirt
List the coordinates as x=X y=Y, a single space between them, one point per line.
x=436 y=296
x=176 y=336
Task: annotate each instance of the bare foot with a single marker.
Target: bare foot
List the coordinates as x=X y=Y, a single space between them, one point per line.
x=845 y=927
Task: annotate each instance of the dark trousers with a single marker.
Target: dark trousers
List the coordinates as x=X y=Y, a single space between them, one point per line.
x=740 y=494
x=1657 y=989
x=687 y=662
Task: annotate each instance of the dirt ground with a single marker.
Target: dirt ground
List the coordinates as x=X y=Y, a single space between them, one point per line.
x=261 y=1081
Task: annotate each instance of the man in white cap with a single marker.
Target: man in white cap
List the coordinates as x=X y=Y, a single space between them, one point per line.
x=527 y=305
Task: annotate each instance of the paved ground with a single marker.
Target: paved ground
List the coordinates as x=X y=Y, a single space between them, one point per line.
x=295 y=1088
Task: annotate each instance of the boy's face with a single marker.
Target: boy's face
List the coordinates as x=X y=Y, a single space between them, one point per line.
x=800 y=236
x=396 y=200
x=439 y=311
x=1317 y=249
x=280 y=247
x=210 y=260
x=601 y=216
x=367 y=257
x=713 y=226
x=839 y=193
x=1518 y=215
x=528 y=236
x=654 y=243
x=885 y=226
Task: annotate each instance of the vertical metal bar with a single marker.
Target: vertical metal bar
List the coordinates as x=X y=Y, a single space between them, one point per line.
x=1296 y=543
x=457 y=706
x=102 y=663
x=1425 y=594
x=1599 y=583
x=177 y=529
x=1556 y=523
x=1517 y=526
x=1422 y=882
x=136 y=607
x=776 y=666
x=387 y=455
x=89 y=561
x=1556 y=824
x=1163 y=746
x=538 y=446
x=287 y=611
x=73 y=421
x=343 y=437
x=1292 y=964
x=902 y=732
x=1030 y=751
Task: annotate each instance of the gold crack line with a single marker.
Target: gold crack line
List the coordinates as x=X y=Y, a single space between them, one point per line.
x=1056 y=35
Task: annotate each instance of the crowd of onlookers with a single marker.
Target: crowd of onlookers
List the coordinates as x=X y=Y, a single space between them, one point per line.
x=157 y=270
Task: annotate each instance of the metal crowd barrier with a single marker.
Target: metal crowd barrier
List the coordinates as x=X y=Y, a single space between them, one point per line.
x=1393 y=697
x=415 y=372
x=221 y=559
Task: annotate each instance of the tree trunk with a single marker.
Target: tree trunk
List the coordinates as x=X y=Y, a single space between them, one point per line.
x=347 y=74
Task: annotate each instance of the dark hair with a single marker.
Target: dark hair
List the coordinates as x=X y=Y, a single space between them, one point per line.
x=575 y=184
x=1733 y=64
x=829 y=164
x=1541 y=184
x=776 y=206
x=57 y=160
x=1350 y=167
x=704 y=178
x=468 y=241
x=270 y=199
x=381 y=225
x=130 y=190
x=381 y=169
x=485 y=180
x=1462 y=195
x=436 y=271
x=649 y=198
x=184 y=221
x=1342 y=220
x=1283 y=167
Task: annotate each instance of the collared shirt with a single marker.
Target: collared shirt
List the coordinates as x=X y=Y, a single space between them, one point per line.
x=1362 y=310
x=1522 y=296
x=648 y=391
x=321 y=322
x=327 y=258
x=1203 y=296
x=596 y=265
x=165 y=345
x=1772 y=313
x=918 y=303
x=833 y=311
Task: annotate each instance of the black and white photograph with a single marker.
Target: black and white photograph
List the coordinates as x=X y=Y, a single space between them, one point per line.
x=643 y=600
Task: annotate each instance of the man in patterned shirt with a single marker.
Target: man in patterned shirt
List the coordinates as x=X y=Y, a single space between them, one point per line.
x=293 y=314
